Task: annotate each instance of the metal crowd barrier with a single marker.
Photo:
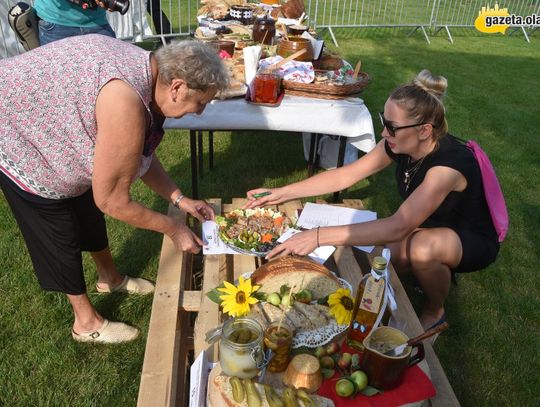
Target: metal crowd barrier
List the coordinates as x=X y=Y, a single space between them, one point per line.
x=456 y=13
x=331 y=14
x=161 y=19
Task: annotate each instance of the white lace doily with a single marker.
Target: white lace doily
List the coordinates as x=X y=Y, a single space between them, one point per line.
x=319 y=336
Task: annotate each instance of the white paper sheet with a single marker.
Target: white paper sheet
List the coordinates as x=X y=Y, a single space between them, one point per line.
x=315 y=43
x=212 y=242
x=251 y=61
x=314 y=215
x=198 y=380
x=320 y=254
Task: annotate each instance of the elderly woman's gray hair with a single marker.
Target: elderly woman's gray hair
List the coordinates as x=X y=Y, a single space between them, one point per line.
x=194 y=62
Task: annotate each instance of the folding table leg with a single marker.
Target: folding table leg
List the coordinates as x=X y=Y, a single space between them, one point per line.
x=312 y=159
x=211 y=150
x=200 y=152
x=340 y=160
x=194 y=175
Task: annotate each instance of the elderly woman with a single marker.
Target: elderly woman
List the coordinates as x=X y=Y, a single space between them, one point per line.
x=443 y=225
x=81 y=119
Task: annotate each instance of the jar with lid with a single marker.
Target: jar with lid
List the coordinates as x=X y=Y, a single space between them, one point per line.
x=264 y=30
x=369 y=300
x=241 y=348
x=266 y=86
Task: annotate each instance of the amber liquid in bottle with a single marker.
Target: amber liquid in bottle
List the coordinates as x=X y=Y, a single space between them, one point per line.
x=369 y=300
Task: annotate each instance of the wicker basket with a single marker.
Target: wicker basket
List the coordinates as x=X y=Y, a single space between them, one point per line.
x=324 y=91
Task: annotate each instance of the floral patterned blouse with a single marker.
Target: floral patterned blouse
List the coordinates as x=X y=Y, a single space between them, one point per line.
x=47 y=102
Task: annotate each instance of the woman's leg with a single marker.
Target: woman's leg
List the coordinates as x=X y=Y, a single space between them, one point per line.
x=432 y=253
x=87 y=319
x=108 y=276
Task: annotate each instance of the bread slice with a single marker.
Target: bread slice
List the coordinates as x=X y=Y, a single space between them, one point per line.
x=297 y=319
x=225 y=389
x=297 y=272
x=258 y=315
x=273 y=313
x=311 y=312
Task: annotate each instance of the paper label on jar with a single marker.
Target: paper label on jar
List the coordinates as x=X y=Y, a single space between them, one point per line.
x=373 y=295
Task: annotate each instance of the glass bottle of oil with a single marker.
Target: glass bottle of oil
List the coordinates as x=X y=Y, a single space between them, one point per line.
x=367 y=306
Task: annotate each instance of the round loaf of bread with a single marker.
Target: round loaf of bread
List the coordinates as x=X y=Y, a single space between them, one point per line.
x=297 y=272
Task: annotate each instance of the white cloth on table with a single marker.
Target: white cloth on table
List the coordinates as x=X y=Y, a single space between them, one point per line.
x=347 y=117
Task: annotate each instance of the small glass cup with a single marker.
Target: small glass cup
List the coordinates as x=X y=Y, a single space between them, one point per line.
x=278 y=338
x=266 y=86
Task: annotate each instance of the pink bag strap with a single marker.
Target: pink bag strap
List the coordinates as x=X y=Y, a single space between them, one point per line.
x=492 y=190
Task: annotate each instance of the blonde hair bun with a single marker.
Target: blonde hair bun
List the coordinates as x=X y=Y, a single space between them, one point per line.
x=434 y=85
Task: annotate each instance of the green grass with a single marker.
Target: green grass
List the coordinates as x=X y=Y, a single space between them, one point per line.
x=490 y=353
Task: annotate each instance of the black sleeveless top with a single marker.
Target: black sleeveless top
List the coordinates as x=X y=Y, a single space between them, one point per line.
x=460 y=210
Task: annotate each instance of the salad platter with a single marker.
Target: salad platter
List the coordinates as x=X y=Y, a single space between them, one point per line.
x=252 y=231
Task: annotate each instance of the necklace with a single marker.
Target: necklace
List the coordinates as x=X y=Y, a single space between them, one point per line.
x=411 y=172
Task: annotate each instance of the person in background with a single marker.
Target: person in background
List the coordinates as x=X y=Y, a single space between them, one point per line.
x=443 y=225
x=72 y=144
x=60 y=19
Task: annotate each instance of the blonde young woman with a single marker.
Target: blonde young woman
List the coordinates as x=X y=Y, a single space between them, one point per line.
x=443 y=225
x=81 y=120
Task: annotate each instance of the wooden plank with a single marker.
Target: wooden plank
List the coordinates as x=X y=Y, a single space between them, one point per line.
x=348 y=267
x=353 y=203
x=238 y=202
x=158 y=379
x=243 y=263
x=290 y=208
x=190 y=301
x=215 y=271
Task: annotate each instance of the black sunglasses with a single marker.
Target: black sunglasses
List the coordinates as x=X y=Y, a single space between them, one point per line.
x=392 y=129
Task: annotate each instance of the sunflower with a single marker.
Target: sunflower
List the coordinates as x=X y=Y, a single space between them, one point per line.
x=341 y=306
x=237 y=299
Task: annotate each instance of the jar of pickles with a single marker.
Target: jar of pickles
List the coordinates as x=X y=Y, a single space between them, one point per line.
x=278 y=338
x=241 y=350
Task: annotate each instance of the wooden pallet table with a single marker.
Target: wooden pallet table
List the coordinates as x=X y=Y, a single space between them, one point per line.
x=171 y=336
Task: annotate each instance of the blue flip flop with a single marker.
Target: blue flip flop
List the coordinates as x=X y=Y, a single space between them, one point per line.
x=439 y=322
x=433 y=338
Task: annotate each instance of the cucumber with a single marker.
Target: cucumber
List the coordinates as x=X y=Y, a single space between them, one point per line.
x=237 y=389
x=253 y=397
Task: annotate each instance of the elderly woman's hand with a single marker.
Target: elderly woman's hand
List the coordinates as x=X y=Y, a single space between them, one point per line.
x=301 y=244
x=198 y=209
x=185 y=240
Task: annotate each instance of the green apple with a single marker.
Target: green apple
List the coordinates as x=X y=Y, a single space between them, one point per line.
x=360 y=379
x=327 y=362
x=320 y=351
x=344 y=388
x=332 y=348
x=287 y=301
x=273 y=299
x=305 y=296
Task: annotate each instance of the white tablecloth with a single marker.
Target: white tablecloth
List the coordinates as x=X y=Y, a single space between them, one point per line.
x=347 y=117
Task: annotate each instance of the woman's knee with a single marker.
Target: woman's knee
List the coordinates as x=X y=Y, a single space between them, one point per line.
x=430 y=246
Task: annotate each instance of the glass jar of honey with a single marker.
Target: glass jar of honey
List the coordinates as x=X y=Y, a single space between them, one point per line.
x=278 y=338
x=241 y=348
x=266 y=86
